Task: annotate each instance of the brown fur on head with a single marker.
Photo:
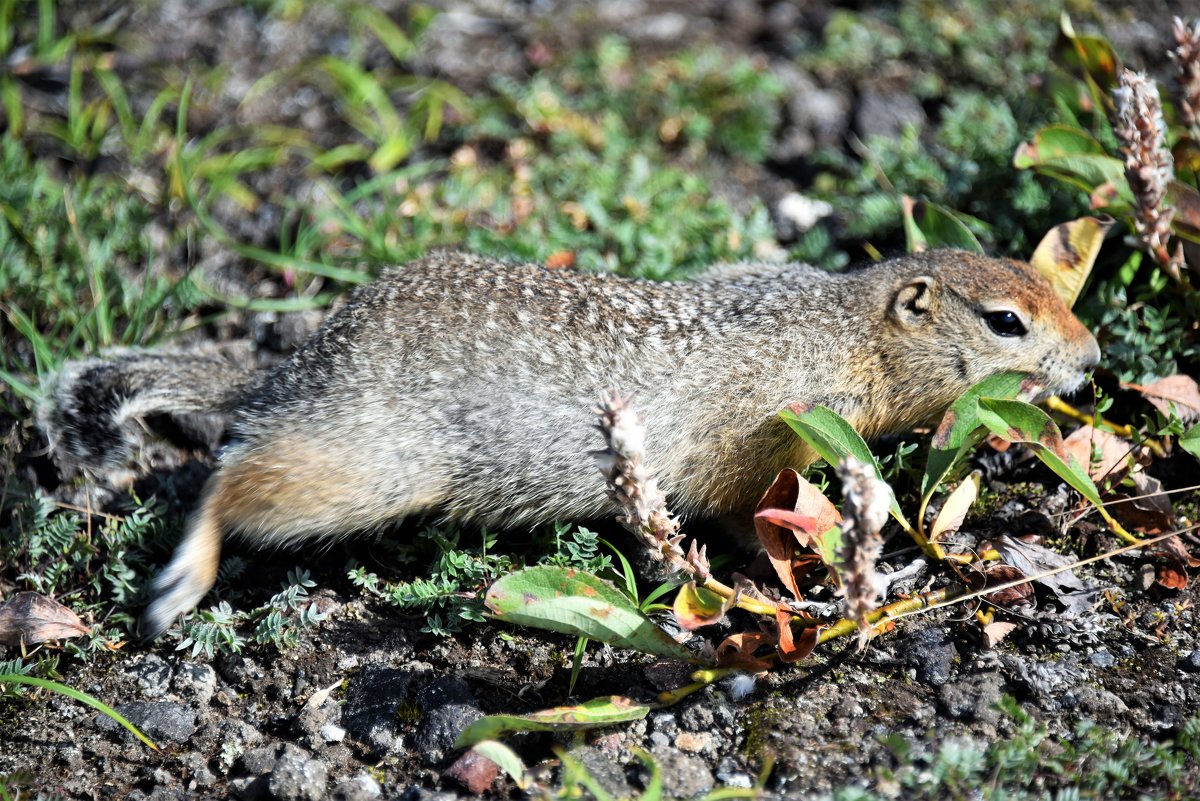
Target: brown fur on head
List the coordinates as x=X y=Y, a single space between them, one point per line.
x=956 y=318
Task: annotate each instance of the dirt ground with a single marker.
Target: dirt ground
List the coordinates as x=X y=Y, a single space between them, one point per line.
x=368 y=706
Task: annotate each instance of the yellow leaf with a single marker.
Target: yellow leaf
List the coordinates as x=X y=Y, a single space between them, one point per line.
x=1065 y=256
x=954 y=511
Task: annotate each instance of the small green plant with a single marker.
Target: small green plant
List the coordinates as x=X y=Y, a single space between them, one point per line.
x=1092 y=763
x=278 y=623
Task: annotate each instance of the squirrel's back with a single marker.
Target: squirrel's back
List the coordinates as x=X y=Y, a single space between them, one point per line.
x=463 y=387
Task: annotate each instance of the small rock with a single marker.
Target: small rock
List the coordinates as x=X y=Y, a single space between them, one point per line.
x=357 y=788
x=473 y=771
x=161 y=721
x=973 y=698
x=331 y=733
x=448 y=707
x=1190 y=663
x=195 y=682
x=698 y=717
x=729 y=774
x=199 y=775
x=602 y=767
x=153 y=676
x=296 y=777
x=931 y=653
x=372 y=699
x=693 y=742
x=687 y=775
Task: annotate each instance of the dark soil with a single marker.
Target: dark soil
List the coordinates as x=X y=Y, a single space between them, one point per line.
x=369 y=706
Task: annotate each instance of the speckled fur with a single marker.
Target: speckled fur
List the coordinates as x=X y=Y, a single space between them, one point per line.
x=463 y=387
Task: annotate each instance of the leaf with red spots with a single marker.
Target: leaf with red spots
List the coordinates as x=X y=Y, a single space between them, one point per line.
x=573 y=602
x=589 y=715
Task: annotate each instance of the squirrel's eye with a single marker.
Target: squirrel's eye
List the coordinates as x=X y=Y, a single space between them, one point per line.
x=1005 y=323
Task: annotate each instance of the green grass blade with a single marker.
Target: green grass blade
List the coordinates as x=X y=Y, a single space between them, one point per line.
x=82 y=697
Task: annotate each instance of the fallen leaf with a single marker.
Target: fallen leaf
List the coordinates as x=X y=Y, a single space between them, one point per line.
x=737 y=651
x=954 y=510
x=560 y=259
x=1032 y=559
x=994 y=633
x=1148 y=510
x=1169 y=572
x=29 y=617
x=1180 y=391
x=1105 y=455
x=789 y=648
x=1014 y=598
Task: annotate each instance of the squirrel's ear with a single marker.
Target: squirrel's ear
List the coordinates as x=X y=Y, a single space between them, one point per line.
x=912 y=302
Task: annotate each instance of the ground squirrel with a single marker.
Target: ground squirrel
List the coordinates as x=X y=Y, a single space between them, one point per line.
x=463 y=387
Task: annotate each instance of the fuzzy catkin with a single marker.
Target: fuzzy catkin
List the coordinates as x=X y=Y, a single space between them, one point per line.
x=866 y=500
x=1149 y=167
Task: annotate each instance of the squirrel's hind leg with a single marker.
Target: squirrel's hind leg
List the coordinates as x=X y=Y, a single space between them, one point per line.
x=190 y=574
x=283 y=494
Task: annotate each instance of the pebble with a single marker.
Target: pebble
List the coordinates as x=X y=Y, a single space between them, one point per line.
x=195 y=682
x=161 y=721
x=296 y=777
x=153 y=676
x=447 y=708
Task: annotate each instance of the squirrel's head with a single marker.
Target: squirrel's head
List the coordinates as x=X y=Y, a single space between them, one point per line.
x=965 y=317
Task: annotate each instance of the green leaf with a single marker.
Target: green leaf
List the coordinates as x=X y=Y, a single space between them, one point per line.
x=1190 y=441
x=928 y=225
x=1017 y=421
x=503 y=756
x=833 y=438
x=573 y=602
x=1054 y=142
x=82 y=697
x=960 y=430
x=588 y=715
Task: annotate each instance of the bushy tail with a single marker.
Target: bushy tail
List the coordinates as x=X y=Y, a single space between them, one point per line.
x=95 y=411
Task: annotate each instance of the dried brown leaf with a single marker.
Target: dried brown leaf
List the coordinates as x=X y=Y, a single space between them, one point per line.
x=1032 y=559
x=1148 y=509
x=790 y=518
x=1019 y=595
x=1182 y=391
x=29 y=617
x=1113 y=454
x=995 y=632
x=737 y=651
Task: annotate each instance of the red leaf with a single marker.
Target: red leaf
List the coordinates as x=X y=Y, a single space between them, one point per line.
x=789 y=649
x=793 y=514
